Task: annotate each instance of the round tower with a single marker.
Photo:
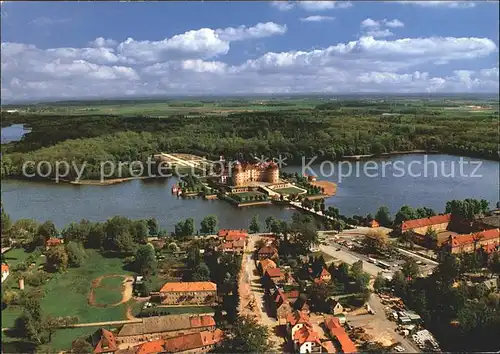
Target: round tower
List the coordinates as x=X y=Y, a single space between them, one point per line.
x=273 y=173
x=237 y=174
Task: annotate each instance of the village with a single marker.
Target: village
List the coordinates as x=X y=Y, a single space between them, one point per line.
x=314 y=291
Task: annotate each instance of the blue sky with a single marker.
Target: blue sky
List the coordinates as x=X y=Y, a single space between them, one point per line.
x=49 y=50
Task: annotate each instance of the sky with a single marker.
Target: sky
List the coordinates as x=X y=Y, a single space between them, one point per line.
x=62 y=50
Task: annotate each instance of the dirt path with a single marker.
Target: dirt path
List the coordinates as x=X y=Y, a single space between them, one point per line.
x=127 y=290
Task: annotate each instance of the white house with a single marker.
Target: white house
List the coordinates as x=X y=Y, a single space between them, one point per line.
x=306 y=340
x=5 y=272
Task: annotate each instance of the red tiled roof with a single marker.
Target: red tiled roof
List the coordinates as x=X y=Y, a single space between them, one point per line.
x=267 y=263
x=324 y=273
x=345 y=342
x=491 y=247
x=192 y=341
x=226 y=232
x=433 y=220
x=236 y=237
x=201 y=321
x=298 y=317
x=153 y=347
x=462 y=240
x=268 y=250
x=332 y=322
x=5 y=268
x=306 y=334
x=274 y=272
x=189 y=286
x=234 y=245
x=106 y=342
x=53 y=241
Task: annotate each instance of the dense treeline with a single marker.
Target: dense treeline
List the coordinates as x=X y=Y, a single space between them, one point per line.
x=329 y=134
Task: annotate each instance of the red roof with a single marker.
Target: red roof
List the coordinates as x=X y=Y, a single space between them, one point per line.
x=53 y=241
x=324 y=273
x=332 y=322
x=233 y=245
x=191 y=286
x=306 y=334
x=202 y=321
x=5 y=268
x=433 y=220
x=226 y=232
x=236 y=236
x=106 y=342
x=298 y=317
x=328 y=346
x=345 y=342
x=153 y=347
x=462 y=240
x=192 y=341
x=274 y=272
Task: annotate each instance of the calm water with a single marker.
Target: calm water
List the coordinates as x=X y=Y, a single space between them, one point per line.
x=13 y=132
x=356 y=194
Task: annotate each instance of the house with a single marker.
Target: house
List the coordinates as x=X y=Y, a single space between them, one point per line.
x=295 y=321
x=266 y=264
x=335 y=307
x=302 y=305
x=233 y=235
x=339 y=335
x=420 y=226
x=489 y=240
x=267 y=252
x=156 y=327
x=201 y=342
x=306 y=340
x=103 y=341
x=282 y=307
x=322 y=276
x=188 y=293
x=273 y=276
x=236 y=247
x=5 y=271
x=52 y=242
x=292 y=296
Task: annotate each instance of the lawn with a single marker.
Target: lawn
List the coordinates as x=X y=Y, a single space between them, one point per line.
x=288 y=190
x=14 y=257
x=67 y=293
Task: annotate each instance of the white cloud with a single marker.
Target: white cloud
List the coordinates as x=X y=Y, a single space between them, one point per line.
x=394 y=23
x=312 y=6
x=202 y=43
x=379 y=33
x=375 y=29
x=283 y=5
x=448 y=4
x=317 y=18
x=369 y=23
x=367 y=64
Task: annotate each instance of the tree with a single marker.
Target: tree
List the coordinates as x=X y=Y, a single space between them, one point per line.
x=399 y=283
x=270 y=221
x=356 y=268
x=6 y=225
x=57 y=258
x=431 y=237
x=201 y=272
x=145 y=260
x=383 y=216
x=406 y=238
x=376 y=241
x=343 y=272
x=410 y=269
x=245 y=336
x=81 y=346
x=209 y=225
x=139 y=231
x=254 y=224
x=494 y=263
x=30 y=322
x=380 y=282
x=405 y=213
x=47 y=230
x=24 y=230
x=76 y=253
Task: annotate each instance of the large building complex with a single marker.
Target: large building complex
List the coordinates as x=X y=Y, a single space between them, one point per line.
x=188 y=293
x=244 y=174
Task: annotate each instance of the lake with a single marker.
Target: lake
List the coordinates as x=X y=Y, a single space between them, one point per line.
x=13 y=132
x=359 y=193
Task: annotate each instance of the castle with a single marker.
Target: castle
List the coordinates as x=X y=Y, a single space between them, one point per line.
x=242 y=174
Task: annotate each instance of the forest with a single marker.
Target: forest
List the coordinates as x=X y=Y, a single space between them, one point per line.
x=330 y=131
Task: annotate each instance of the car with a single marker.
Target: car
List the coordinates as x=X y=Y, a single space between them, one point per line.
x=339 y=249
x=399 y=349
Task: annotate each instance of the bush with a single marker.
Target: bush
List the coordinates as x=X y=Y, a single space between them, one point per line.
x=37 y=278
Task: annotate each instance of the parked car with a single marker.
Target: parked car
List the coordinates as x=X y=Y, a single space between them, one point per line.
x=399 y=349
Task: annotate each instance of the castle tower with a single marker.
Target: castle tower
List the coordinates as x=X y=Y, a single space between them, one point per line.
x=238 y=174
x=273 y=173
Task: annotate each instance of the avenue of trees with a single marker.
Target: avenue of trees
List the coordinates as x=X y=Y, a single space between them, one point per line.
x=328 y=134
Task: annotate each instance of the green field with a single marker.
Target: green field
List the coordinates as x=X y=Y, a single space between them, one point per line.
x=66 y=294
x=14 y=257
x=247 y=195
x=288 y=191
